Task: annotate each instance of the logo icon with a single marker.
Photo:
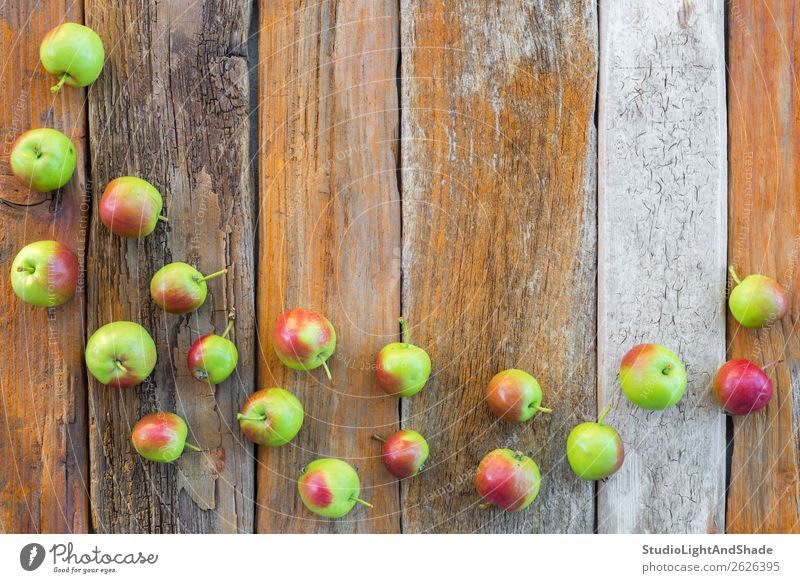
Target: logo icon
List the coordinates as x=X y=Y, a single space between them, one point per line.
x=31 y=556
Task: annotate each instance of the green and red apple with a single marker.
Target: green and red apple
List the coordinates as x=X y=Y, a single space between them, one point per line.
x=652 y=377
x=43 y=159
x=74 y=53
x=131 y=207
x=271 y=417
x=303 y=340
x=757 y=300
x=45 y=274
x=121 y=354
x=330 y=487
x=402 y=368
x=595 y=450
x=179 y=288
x=508 y=479
x=740 y=387
x=161 y=437
x=514 y=395
x=212 y=358
x=405 y=452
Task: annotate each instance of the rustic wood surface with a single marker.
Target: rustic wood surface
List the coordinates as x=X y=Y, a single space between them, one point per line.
x=764 y=237
x=662 y=250
x=499 y=235
x=43 y=454
x=172 y=107
x=329 y=232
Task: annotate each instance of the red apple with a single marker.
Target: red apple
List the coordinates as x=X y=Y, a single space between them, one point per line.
x=303 y=340
x=514 y=395
x=131 y=207
x=404 y=453
x=740 y=387
x=508 y=479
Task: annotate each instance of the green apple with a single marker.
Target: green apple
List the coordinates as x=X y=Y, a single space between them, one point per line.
x=213 y=358
x=43 y=159
x=652 y=377
x=757 y=300
x=73 y=53
x=271 y=417
x=178 y=288
x=121 y=354
x=131 y=207
x=402 y=368
x=304 y=339
x=45 y=274
x=161 y=437
x=595 y=450
x=514 y=395
x=329 y=487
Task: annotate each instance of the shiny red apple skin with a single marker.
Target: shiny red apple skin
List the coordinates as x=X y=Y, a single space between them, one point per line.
x=160 y=436
x=740 y=387
x=514 y=395
x=303 y=339
x=405 y=453
x=130 y=207
x=508 y=479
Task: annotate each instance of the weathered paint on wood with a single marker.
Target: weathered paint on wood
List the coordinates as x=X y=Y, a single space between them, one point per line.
x=329 y=238
x=43 y=455
x=662 y=249
x=498 y=168
x=764 y=237
x=172 y=107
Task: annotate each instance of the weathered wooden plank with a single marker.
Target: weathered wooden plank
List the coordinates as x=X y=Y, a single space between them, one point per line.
x=662 y=238
x=498 y=161
x=330 y=239
x=764 y=234
x=172 y=107
x=42 y=389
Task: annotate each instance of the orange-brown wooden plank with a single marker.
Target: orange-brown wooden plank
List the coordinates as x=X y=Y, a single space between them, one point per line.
x=764 y=237
x=499 y=229
x=42 y=388
x=172 y=107
x=329 y=237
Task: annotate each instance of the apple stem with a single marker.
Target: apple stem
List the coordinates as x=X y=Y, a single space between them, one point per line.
x=735 y=277
x=57 y=87
x=603 y=414
x=28 y=269
x=377 y=437
x=120 y=366
x=667 y=369
x=212 y=275
x=192 y=447
x=543 y=409
x=228 y=329
x=243 y=417
x=404 y=330
x=327 y=370
x=485 y=505
x=364 y=502
x=163 y=218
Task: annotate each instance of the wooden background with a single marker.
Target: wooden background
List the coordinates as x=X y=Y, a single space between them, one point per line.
x=533 y=185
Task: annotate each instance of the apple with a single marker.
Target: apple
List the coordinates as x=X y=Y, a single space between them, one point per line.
x=402 y=368
x=121 y=354
x=595 y=450
x=271 y=417
x=303 y=340
x=652 y=376
x=740 y=387
x=212 y=358
x=404 y=453
x=131 y=207
x=329 y=487
x=514 y=395
x=43 y=159
x=757 y=300
x=508 y=479
x=160 y=437
x=73 y=53
x=179 y=288
x=45 y=274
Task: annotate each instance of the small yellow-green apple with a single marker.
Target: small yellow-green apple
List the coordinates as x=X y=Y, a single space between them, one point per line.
x=45 y=274
x=161 y=437
x=43 y=159
x=213 y=358
x=330 y=487
x=178 y=288
x=652 y=377
x=74 y=53
x=131 y=207
x=303 y=339
x=514 y=395
x=271 y=417
x=404 y=453
x=740 y=387
x=402 y=368
x=508 y=479
x=757 y=300
x=121 y=354
x=595 y=450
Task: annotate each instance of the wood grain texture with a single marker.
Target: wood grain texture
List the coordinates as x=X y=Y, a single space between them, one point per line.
x=662 y=250
x=43 y=458
x=764 y=237
x=329 y=237
x=498 y=159
x=172 y=107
